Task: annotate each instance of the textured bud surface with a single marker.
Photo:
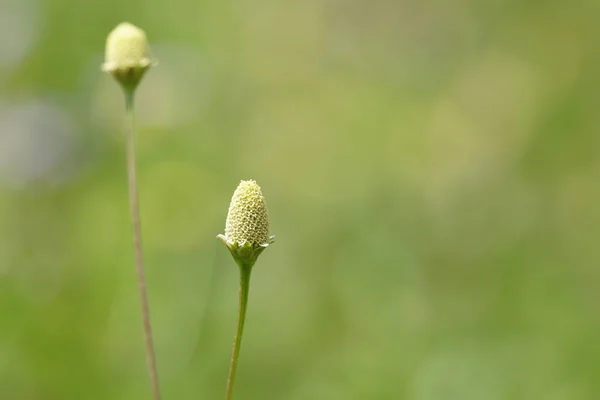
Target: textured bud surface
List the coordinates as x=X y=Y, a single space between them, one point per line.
x=247 y=220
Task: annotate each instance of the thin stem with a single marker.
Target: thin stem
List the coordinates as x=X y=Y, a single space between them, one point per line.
x=137 y=245
x=245 y=272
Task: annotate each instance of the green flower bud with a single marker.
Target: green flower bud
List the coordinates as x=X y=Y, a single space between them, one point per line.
x=247 y=220
x=127 y=55
x=247 y=224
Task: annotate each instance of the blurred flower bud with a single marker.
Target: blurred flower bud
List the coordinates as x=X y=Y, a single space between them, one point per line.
x=247 y=225
x=127 y=55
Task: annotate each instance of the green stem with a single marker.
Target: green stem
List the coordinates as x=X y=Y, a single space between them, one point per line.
x=137 y=245
x=245 y=272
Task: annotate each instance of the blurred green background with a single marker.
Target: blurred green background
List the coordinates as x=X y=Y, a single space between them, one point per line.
x=431 y=170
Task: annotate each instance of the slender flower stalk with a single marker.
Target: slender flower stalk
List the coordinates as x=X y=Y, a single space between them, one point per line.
x=134 y=207
x=246 y=236
x=245 y=273
x=127 y=60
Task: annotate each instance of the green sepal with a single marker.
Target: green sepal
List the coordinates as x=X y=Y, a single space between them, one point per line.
x=245 y=255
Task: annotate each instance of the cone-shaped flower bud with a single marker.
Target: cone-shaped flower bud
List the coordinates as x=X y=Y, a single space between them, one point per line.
x=247 y=225
x=247 y=220
x=127 y=55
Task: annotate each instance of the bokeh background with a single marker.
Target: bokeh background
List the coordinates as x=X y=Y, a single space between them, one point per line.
x=431 y=170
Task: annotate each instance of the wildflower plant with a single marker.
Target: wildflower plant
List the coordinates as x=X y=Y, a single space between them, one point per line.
x=246 y=228
x=127 y=60
x=246 y=236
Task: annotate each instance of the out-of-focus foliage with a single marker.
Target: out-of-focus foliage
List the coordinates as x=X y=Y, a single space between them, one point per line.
x=432 y=172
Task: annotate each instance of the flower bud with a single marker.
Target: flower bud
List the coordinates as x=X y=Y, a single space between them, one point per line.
x=127 y=55
x=247 y=224
x=247 y=220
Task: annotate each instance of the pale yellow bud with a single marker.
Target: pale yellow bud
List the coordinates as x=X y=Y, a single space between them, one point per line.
x=127 y=55
x=247 y=220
